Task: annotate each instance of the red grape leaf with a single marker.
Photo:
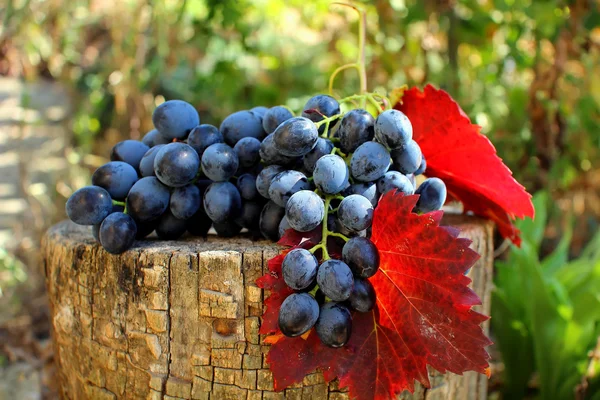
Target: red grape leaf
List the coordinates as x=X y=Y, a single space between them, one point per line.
x=423 y=314
x=273 y=281
x=465 y=160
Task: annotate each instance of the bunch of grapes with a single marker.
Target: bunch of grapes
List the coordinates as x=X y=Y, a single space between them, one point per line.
x=267 y=171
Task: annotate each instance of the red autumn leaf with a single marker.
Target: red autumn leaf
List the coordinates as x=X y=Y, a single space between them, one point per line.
x=465 y=160
x=273 y=281
x=423 y=314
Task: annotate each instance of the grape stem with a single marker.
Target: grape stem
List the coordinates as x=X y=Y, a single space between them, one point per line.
x=326 y=232
x=119 y=203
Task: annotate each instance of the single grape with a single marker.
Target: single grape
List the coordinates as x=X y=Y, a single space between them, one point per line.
x=393 y=129
x=242 y=124
x=335 y=279
x=117 y=233
x=89 y=205
x=274 y=117
x=355 y=129
x=148 y=199
x=129 y=151
x=432 y=195
x=260 y=111
x=247 y=150
x=145 y=228
x=185 y=201
x=264 y=178
x=270 y=155
x=270 y=218
x=298 y=313
x=154 y=138
x=174 y=119
x=219 y=162
x=295 y=137
x=355 y=212
x=227 y=229
x=116 y=177
x=407 y=158
x=319 y=107
x=331 y=174
x=305 y=211
x=203 y=136
x=246 y=184
x=334 y=325
x=176 y=164
x=249 y=217
x=284 y=225
x=285 y=184
x=199 y=224
x=299 y=269
x=362 y=257
x=362 y=298
x=339 y=228
x=422 y=167
x=369 y=162
x=323 y=147
x=169 y=227
x=367 y=189
x=147 y=162
x=395 y=180
x=222 y=202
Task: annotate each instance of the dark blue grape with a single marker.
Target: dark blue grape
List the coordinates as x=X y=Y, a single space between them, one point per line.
x=89 y=205
x=154 y=138
x=362 y=298
x=355 y=129
x=331 y=174
x=129 y=151
x=369 y=162
x=395 y=180
x=335 y=280
x=284 y=225
x=242 y=124
x=305 y=211
x=285 y=184
x=174 y=119
x=185 y=201
x=339 y=228
x=362 y=257
x=298 y=313
x=422 y=167
x=367 y=189
x=219 y=162
x=407 y=158
x=319 y=107
x=299 y=269
x=203 y=136
x=246 y=184
x=295 y=137
x=270 y=218
x=247 y=150
x=259 y=110
x=148 y=199
x=323 y=147
x=274 y=117
x=393 y=129
x=270 y=155
x=222 y=202
x=169 y=227
x=117 y=233
x=199 y=224
x=227 y=229
x=116 y=177
x=249 y=217
x=355 y=212
x=147 y=162
x=432 y=194
x=264 y=178
x=334 y=325
x=176 y=164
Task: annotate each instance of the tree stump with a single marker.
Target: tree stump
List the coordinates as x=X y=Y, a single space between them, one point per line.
x=180 y=319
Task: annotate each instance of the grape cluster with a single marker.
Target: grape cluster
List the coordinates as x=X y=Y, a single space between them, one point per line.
x=267 y=171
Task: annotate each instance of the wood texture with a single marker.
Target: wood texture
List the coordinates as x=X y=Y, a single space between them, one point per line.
x=180 y=319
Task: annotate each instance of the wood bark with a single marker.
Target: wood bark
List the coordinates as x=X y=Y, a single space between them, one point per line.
x=180 y=319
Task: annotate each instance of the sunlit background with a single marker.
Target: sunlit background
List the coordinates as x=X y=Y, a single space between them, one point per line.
x=78 y=76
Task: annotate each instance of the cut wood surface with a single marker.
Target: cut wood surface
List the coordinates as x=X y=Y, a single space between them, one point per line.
x=179 y=319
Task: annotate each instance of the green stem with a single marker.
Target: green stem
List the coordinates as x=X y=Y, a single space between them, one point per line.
x=337 y=71
x=328 y=119
x=338 y=235
x=119 y=203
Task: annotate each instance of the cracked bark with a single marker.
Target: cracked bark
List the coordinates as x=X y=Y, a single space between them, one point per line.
x=180 y=319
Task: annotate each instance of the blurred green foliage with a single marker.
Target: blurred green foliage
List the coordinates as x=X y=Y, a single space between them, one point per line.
x=546 y=314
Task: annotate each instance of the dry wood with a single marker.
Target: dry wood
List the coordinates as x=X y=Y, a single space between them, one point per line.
x=180 y=319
